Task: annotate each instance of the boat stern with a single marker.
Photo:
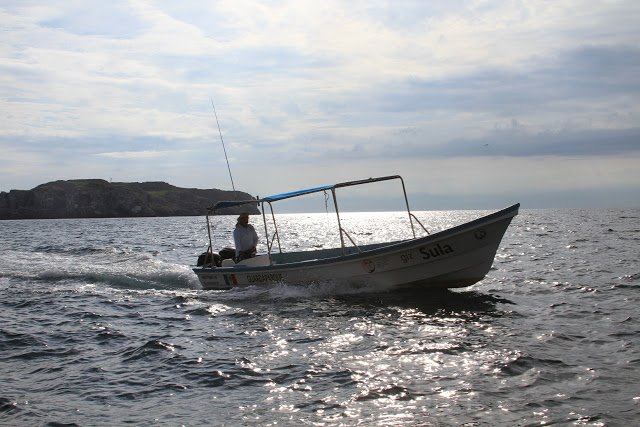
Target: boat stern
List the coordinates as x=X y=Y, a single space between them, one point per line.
x=214 y=279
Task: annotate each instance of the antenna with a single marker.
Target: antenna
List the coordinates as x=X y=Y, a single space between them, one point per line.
x=224 y=149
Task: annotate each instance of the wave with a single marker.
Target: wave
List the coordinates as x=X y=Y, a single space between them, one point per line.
x=81 y=251
x=170 y=278
x=432 y=302
x=322 y=289
x=285 y=291
x=107 y=266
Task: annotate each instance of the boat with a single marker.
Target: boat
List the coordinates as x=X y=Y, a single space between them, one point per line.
x=456 y=257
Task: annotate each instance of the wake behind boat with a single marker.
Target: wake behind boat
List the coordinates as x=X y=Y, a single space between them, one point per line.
x=452 y=258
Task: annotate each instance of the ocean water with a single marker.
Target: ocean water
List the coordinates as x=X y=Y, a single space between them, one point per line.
x=102 y=323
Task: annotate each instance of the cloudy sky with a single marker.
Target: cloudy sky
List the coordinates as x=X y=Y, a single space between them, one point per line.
x=477 y=104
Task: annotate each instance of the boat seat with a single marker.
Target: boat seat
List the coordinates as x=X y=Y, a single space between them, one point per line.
x=228 y=263
x=256 y=261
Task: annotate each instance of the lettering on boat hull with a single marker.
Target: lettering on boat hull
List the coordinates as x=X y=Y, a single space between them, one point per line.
x=406 y=257
x=272 y=277
x=435 y=251
x=480 y=234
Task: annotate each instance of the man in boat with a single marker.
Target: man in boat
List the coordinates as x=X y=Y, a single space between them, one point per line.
x=245 y=237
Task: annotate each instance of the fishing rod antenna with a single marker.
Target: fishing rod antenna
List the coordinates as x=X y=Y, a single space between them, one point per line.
x=224 y=149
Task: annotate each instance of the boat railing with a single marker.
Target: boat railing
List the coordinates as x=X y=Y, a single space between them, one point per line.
x=418 y=221
x=342 y=230
x=271 y=240
x=270 y=243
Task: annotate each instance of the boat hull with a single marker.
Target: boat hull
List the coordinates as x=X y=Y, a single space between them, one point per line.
x=457 y=257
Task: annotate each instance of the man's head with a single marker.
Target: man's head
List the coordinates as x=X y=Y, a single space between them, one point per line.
x=243 y=219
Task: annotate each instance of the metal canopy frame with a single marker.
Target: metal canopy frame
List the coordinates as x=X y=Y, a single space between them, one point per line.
x=262 y=202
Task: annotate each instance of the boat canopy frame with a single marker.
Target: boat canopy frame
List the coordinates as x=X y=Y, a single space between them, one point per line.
x=262 y=202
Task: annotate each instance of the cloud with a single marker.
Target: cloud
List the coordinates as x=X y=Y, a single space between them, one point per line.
x=341 y=87
x=92 y=18
x=145 y=154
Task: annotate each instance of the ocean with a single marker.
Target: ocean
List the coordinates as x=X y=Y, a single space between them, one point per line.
x=103 y=323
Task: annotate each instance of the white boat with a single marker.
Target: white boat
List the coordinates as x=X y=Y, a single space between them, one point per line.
x=452 y=258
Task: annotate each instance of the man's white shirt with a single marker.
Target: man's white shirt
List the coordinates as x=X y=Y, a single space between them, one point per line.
x=245 y=238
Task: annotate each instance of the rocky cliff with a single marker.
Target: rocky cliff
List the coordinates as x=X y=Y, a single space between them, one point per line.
x=96 y=198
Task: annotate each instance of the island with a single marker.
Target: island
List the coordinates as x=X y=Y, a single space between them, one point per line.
x=97 y=198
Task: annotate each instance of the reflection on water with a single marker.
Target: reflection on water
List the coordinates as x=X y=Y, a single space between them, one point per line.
x=369 y=355
x=102 y=323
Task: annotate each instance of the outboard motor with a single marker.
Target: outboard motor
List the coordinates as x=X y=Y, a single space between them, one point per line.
x=214 y=259
x=227 y=253
x=209 y=259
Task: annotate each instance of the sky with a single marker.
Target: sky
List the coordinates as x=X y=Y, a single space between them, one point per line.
x=477 y=104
